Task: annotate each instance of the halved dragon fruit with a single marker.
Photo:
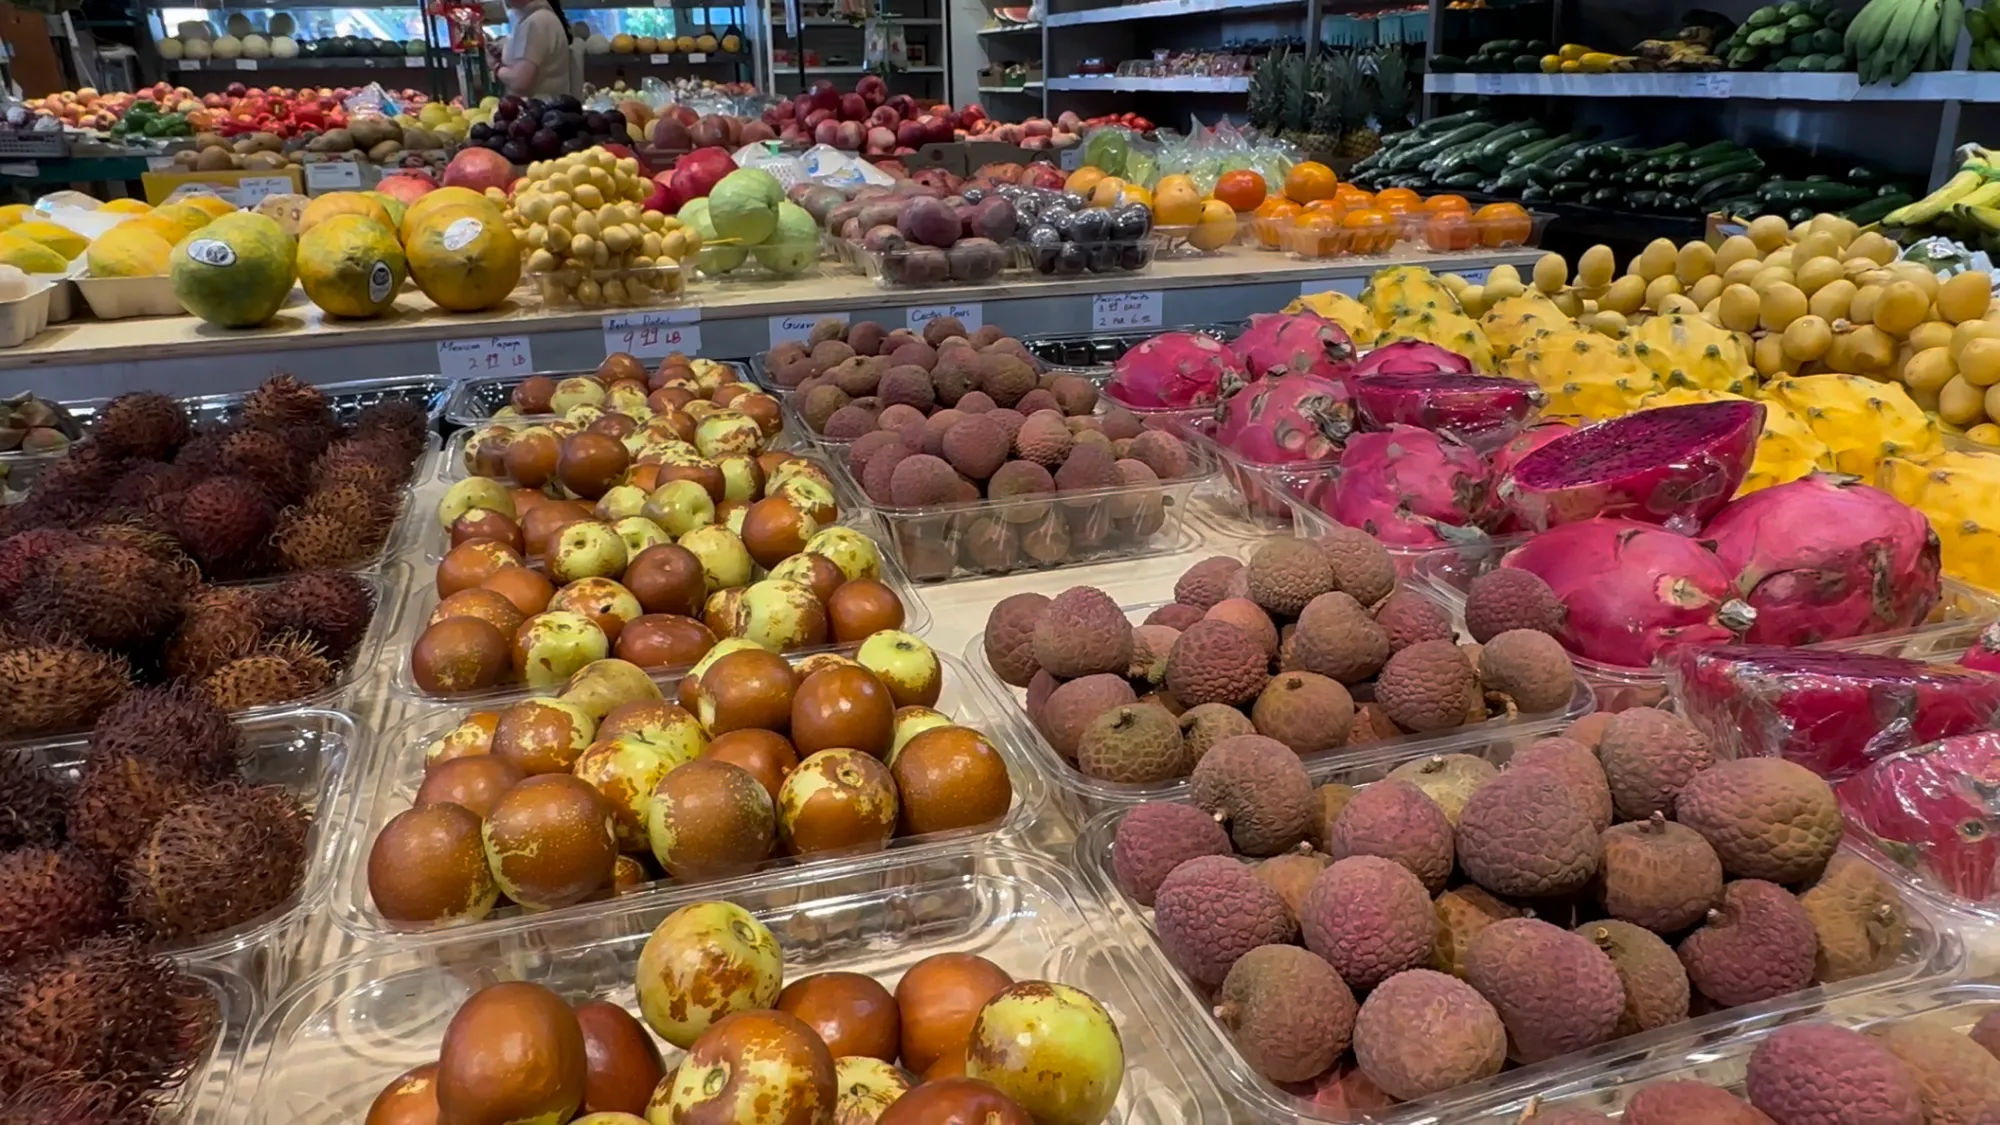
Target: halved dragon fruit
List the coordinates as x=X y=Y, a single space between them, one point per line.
x=1408 y=487
x=1412 y=357
x=1470 y=406
x=1631 y=589
x=1501 y=464
x=1674 y=466
x=1174 y=371
x=1300 y=343
x=1826 y=557
x=1284 y=419
x=1934 y=810
x=1984 y=652
x=1830 y=711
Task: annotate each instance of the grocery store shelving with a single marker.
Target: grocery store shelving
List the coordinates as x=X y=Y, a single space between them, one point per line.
x=1010 y=29
x=1189 y=84
x=861 y=69
x=402 y=62
x=1160 y=9
x=1024 y=88
x=1937 y=86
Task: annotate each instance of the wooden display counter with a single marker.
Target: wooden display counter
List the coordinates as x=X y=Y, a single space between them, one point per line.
x=90 y=358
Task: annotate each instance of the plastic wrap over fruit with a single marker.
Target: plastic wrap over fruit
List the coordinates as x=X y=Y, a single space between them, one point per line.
x=1674 y=465
x=1934 y=810
x=1832 y=712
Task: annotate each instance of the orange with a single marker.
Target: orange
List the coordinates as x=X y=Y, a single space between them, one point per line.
x=1176 y=202
x=1309 y=180
x=1369 y=231
x=1084 y=180
x=1317 y=236
x=1274 y=218
x=1330 y=206
x=1395 y=206
x=1107 y=192
x=1450 y=230
x=1409 y=199
x=1353 y=196
x=1216 y=227
x=1243 y=190
x=1503 y=224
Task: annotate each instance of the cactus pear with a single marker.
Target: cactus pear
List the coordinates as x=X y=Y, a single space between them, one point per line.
x=1173 y=371
x=1934 y=809
x=1675 y=466
x=1407 y=487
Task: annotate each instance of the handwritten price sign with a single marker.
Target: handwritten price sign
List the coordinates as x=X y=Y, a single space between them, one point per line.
x=491 y=356
x=799 y=326
x=1112 y=312
x=973 y=316
x=654 y=335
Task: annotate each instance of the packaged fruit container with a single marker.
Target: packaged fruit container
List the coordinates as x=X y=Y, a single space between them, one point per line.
x=405 y=771
x=635 y=287
x=1927 y=1019
x=489 y=398
x=1450 y=575
x=763 y=264
x=1495 y=226
x=338 y=1040
x=311 y=754
x=1078 y=258
x=1091 y=354
x=1261 y=495
x=1916 y=950
x=972 y=261
x=1082 y=795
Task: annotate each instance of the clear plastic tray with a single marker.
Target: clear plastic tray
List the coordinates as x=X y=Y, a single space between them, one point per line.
x=1084 y=796
x=330 y=1046
x=886 y=267
x=1931 y=953
x=967 y=698
x=476 y=400
x=213 y=1080
x=936 y=543
x=1954 y=1006
x=422 y=598
x=1091 y=354
x=1267 y=496
x=1450 y=573
x=640 y=287
x=310 y=752
x=451 y=465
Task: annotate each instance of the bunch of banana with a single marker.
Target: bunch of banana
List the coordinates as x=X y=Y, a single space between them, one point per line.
x=1892 y=38
x=1976 y=185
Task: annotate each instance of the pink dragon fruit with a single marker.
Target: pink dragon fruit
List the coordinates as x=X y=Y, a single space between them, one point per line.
x=1412 y=357
x=1283 y=419
x=1471 y=406
x=1674 y=465
x=1828 y=710
x=1407 y=487
x=1303 y=343
x=1934 y=810
x=1631 y=589
x=1984 y=652
x=1825 y=557
x=1173 y=371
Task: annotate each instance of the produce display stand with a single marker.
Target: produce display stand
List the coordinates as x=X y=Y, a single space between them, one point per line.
x=93 y=359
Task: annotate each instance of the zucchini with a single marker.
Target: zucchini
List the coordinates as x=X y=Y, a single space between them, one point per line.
x=1554 y=158
x=1529 y=154
x=1568 y=191
x=1825 y=195
x=1439 y=125
x=1602 y=197
x=1691 y=180
x=1470 y=178
x=1438 y=143
x=1722 y=187
x=1721 y=152
x=1535 y=194
x=1491 y=158
x=1874 y=210
x=1798 y=215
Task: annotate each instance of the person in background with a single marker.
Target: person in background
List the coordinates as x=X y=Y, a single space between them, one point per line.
x=536 y=60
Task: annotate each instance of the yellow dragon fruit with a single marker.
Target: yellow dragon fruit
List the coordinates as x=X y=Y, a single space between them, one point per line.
x=1959 y=492
x=1512 y=321
x=1352 y=316
x=1688 y=351
x=1860 y=420
x=1786 y=449
x=1585 y=374
x=1449 y=329
x=1400 y=291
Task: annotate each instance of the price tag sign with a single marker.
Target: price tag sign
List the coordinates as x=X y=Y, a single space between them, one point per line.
x=971 y=315
x=1473 y=277
x=1114 y=312
x=1352 y=286
x=413 y=63
x=246 y=64
x=190 y=64
x=1486 y=85
x=654 y=335
x=333 y=176
x=798 y=326
x=159 y=164
x=697 y=57
x=662 y=60
x=491 y=356
x=251 y=190
x=1071 y=158
x=1714 y=85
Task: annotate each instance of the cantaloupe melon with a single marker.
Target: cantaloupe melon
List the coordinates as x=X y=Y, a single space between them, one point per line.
x=437 y=200
x=343 y=203
x=234 y=272
x=129 y=250
x=464 y=258
x=350 y=265
x=58 y=238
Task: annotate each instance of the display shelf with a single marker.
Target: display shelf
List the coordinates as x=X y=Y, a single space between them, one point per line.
x=91 y=358
x=1160 y=9
x=1009 y=29
x=793 y=69
x=1190 y=84
x=1937 y=86
x=1025 y=88
x=402 y=62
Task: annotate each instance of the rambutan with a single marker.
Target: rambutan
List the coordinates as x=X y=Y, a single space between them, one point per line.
x=19 y=552
x=145 y=481
x=104 y=1011
x=223 y=623
x=141 y=424
x=54 y=687
x=224 y=521
x=283 y=672
x=203 y=451
x=51 y=898
x=31 y=802
x=352 y=504
x=331 y=608
x=220 y=860
x=60 y=1102
x=86 y=474
x=176 y=724
x=398 y=418
x=283 y=400
x=378 y=449
x=120 y=797
x=106 y=594
x=265 y=457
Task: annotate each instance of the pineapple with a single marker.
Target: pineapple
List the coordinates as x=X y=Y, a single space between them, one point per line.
x=1353 y=92
x=1266 y=92
x=1322 y=139
x=1392 y=92
x=1296 y=100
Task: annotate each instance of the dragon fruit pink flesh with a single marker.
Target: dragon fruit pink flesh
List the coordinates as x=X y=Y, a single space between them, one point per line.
x=1408 y=487
x=1174 y=371
x=1501 y=464
x=1303 y=343
x=1984 y=653
x=1468 y=405
x=1673 y=465
x=1631 y=589
x=1935 y=810
x=1283 y=419
x=1412 y=357
x=1829 y=710
x=1826 y=557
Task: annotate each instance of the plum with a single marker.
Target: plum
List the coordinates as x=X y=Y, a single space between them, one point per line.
x=930 y=222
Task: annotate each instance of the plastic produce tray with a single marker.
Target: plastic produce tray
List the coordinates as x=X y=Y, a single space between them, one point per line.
x=1450 y=574
x=331 y=1045
x=967 y=698
x=1931 y=954
x=478 y=399
x=1091 y=354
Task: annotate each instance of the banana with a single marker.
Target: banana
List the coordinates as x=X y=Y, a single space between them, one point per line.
x=1896 y=40
x=1950 y=22
x=1864 y=35
x=1985 y=195
x=1986 y=219
x=1931 y=206
x=1923 y=33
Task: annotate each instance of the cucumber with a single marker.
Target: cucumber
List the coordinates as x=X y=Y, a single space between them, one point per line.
x=1568 y=191
x=1535 y=194
x=1795 y=193
x=1724 y=187
x=1602 y=197
x=1438 y=125
x=1874 y=210
x=1471 y=178
x=1721 y=152
x=1529 y=154
x=1554 y=158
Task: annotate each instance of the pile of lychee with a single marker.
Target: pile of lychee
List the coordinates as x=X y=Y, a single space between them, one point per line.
x=1312 y=642
x=975 y=1044
x=608 y=784
x=1381 y=943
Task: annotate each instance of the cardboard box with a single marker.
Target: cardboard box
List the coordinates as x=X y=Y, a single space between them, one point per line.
x=245 y=189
